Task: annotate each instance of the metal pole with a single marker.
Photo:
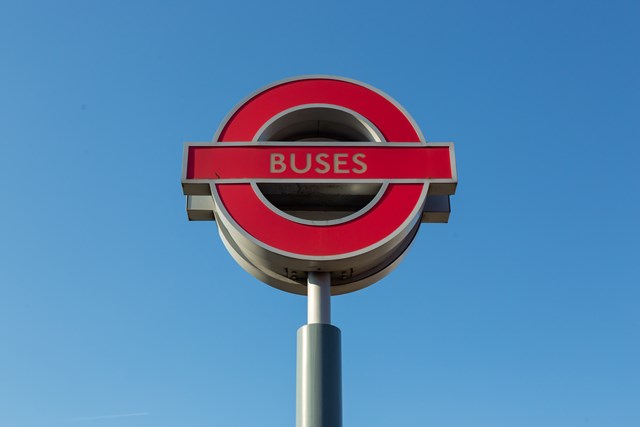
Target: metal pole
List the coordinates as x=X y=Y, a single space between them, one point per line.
x=319 y=370
x=319 y=298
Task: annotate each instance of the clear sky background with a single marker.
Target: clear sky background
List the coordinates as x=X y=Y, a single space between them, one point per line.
x=522 y=311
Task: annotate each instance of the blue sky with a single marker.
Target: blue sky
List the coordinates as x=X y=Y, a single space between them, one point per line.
x=522 y=311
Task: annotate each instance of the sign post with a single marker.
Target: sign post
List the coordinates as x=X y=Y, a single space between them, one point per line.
x=319 y=361
x=318 y=185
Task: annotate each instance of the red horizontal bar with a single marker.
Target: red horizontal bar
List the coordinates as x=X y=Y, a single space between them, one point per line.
x=342 y=162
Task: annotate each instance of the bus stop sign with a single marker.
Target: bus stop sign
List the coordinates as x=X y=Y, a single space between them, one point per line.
x=318 y=173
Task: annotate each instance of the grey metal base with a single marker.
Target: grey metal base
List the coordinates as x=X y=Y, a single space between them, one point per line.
x=319 y=377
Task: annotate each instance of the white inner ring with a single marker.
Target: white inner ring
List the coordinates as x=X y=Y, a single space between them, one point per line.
x=322 y=122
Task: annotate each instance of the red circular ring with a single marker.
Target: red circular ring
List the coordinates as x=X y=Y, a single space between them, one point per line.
x=291 y=238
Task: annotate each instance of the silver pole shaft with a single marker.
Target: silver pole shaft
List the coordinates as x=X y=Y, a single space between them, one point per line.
x=319 y=365
x=319 y=298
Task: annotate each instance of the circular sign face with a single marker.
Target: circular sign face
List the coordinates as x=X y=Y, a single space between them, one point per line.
x=318 y=173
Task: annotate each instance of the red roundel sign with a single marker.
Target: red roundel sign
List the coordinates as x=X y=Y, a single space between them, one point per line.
x=318 y=174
